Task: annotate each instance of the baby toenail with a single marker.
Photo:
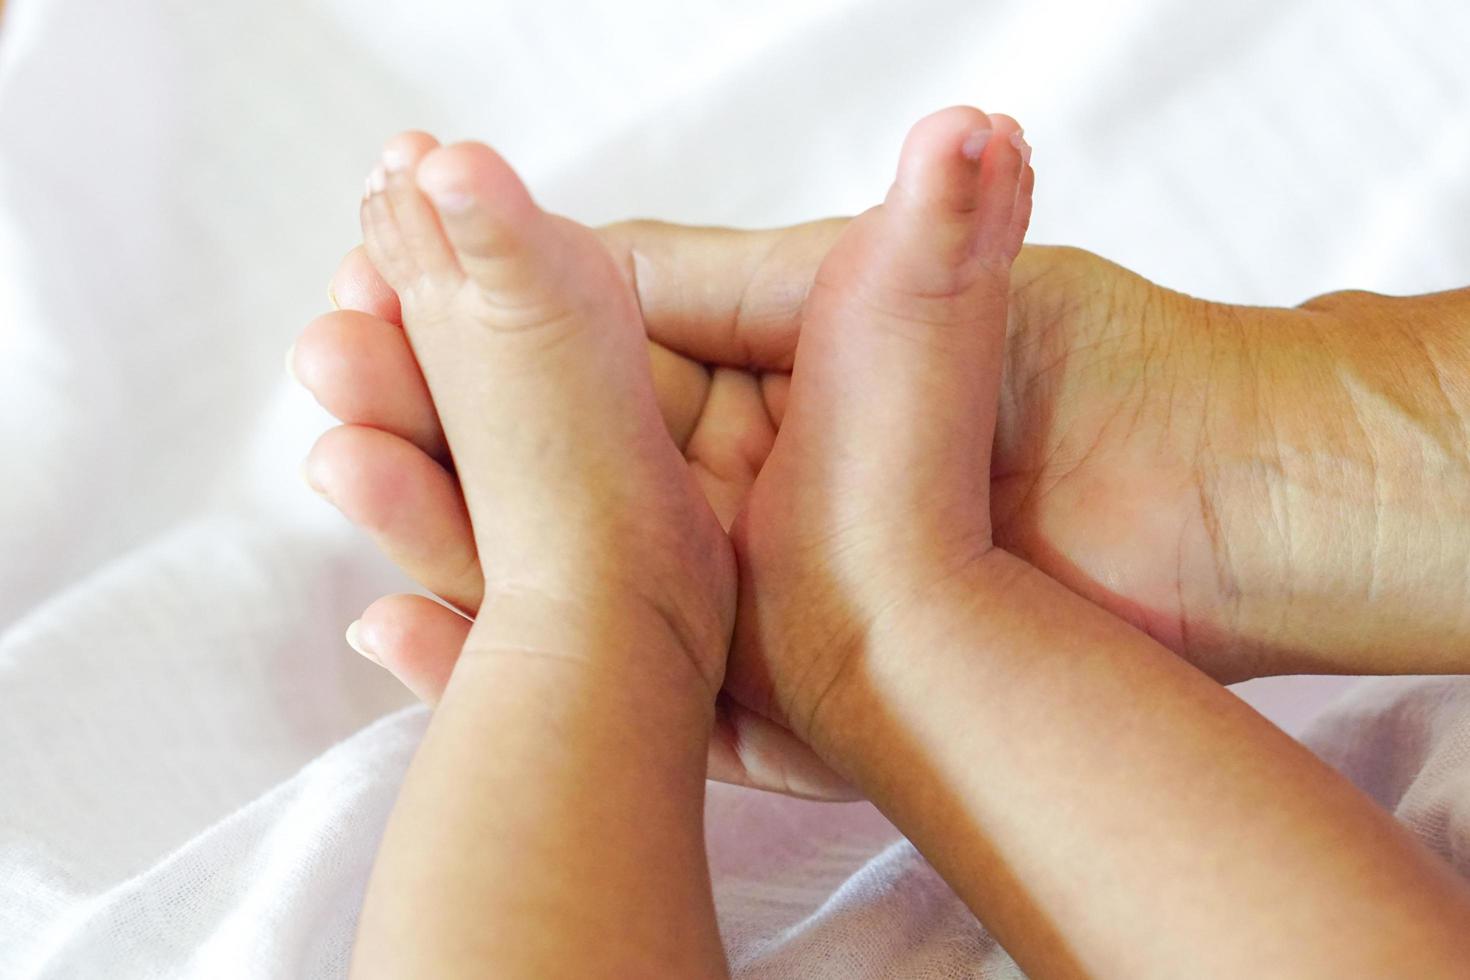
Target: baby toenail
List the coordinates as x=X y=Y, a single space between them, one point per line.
x=1019 y=142
x=306 y=478
x=378 y=179
x=355 y=641
x=452 y=201
x=974 y=144
x=394 y=160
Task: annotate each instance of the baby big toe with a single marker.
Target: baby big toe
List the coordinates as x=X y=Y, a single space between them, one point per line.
x=507 y=246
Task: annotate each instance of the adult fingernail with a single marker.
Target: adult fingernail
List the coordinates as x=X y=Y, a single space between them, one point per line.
x=354 y=640
x=332 y=298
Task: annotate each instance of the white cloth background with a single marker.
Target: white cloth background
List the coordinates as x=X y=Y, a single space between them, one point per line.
x=194 y=769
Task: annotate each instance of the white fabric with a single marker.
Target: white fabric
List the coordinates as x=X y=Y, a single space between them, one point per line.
x=194 y=770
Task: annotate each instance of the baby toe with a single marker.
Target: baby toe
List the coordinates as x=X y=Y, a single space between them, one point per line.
x=401 y=233
x=512 y=250
x=415 y=218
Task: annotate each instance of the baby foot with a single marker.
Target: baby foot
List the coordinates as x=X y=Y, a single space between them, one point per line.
x=877 y=487
x=533 y=347
x=909 y=311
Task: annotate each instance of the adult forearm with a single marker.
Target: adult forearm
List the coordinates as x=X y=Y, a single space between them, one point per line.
x=552 y=823
x=1107 y=810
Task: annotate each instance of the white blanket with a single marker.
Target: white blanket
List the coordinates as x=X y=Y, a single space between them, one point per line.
x=194 y=769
